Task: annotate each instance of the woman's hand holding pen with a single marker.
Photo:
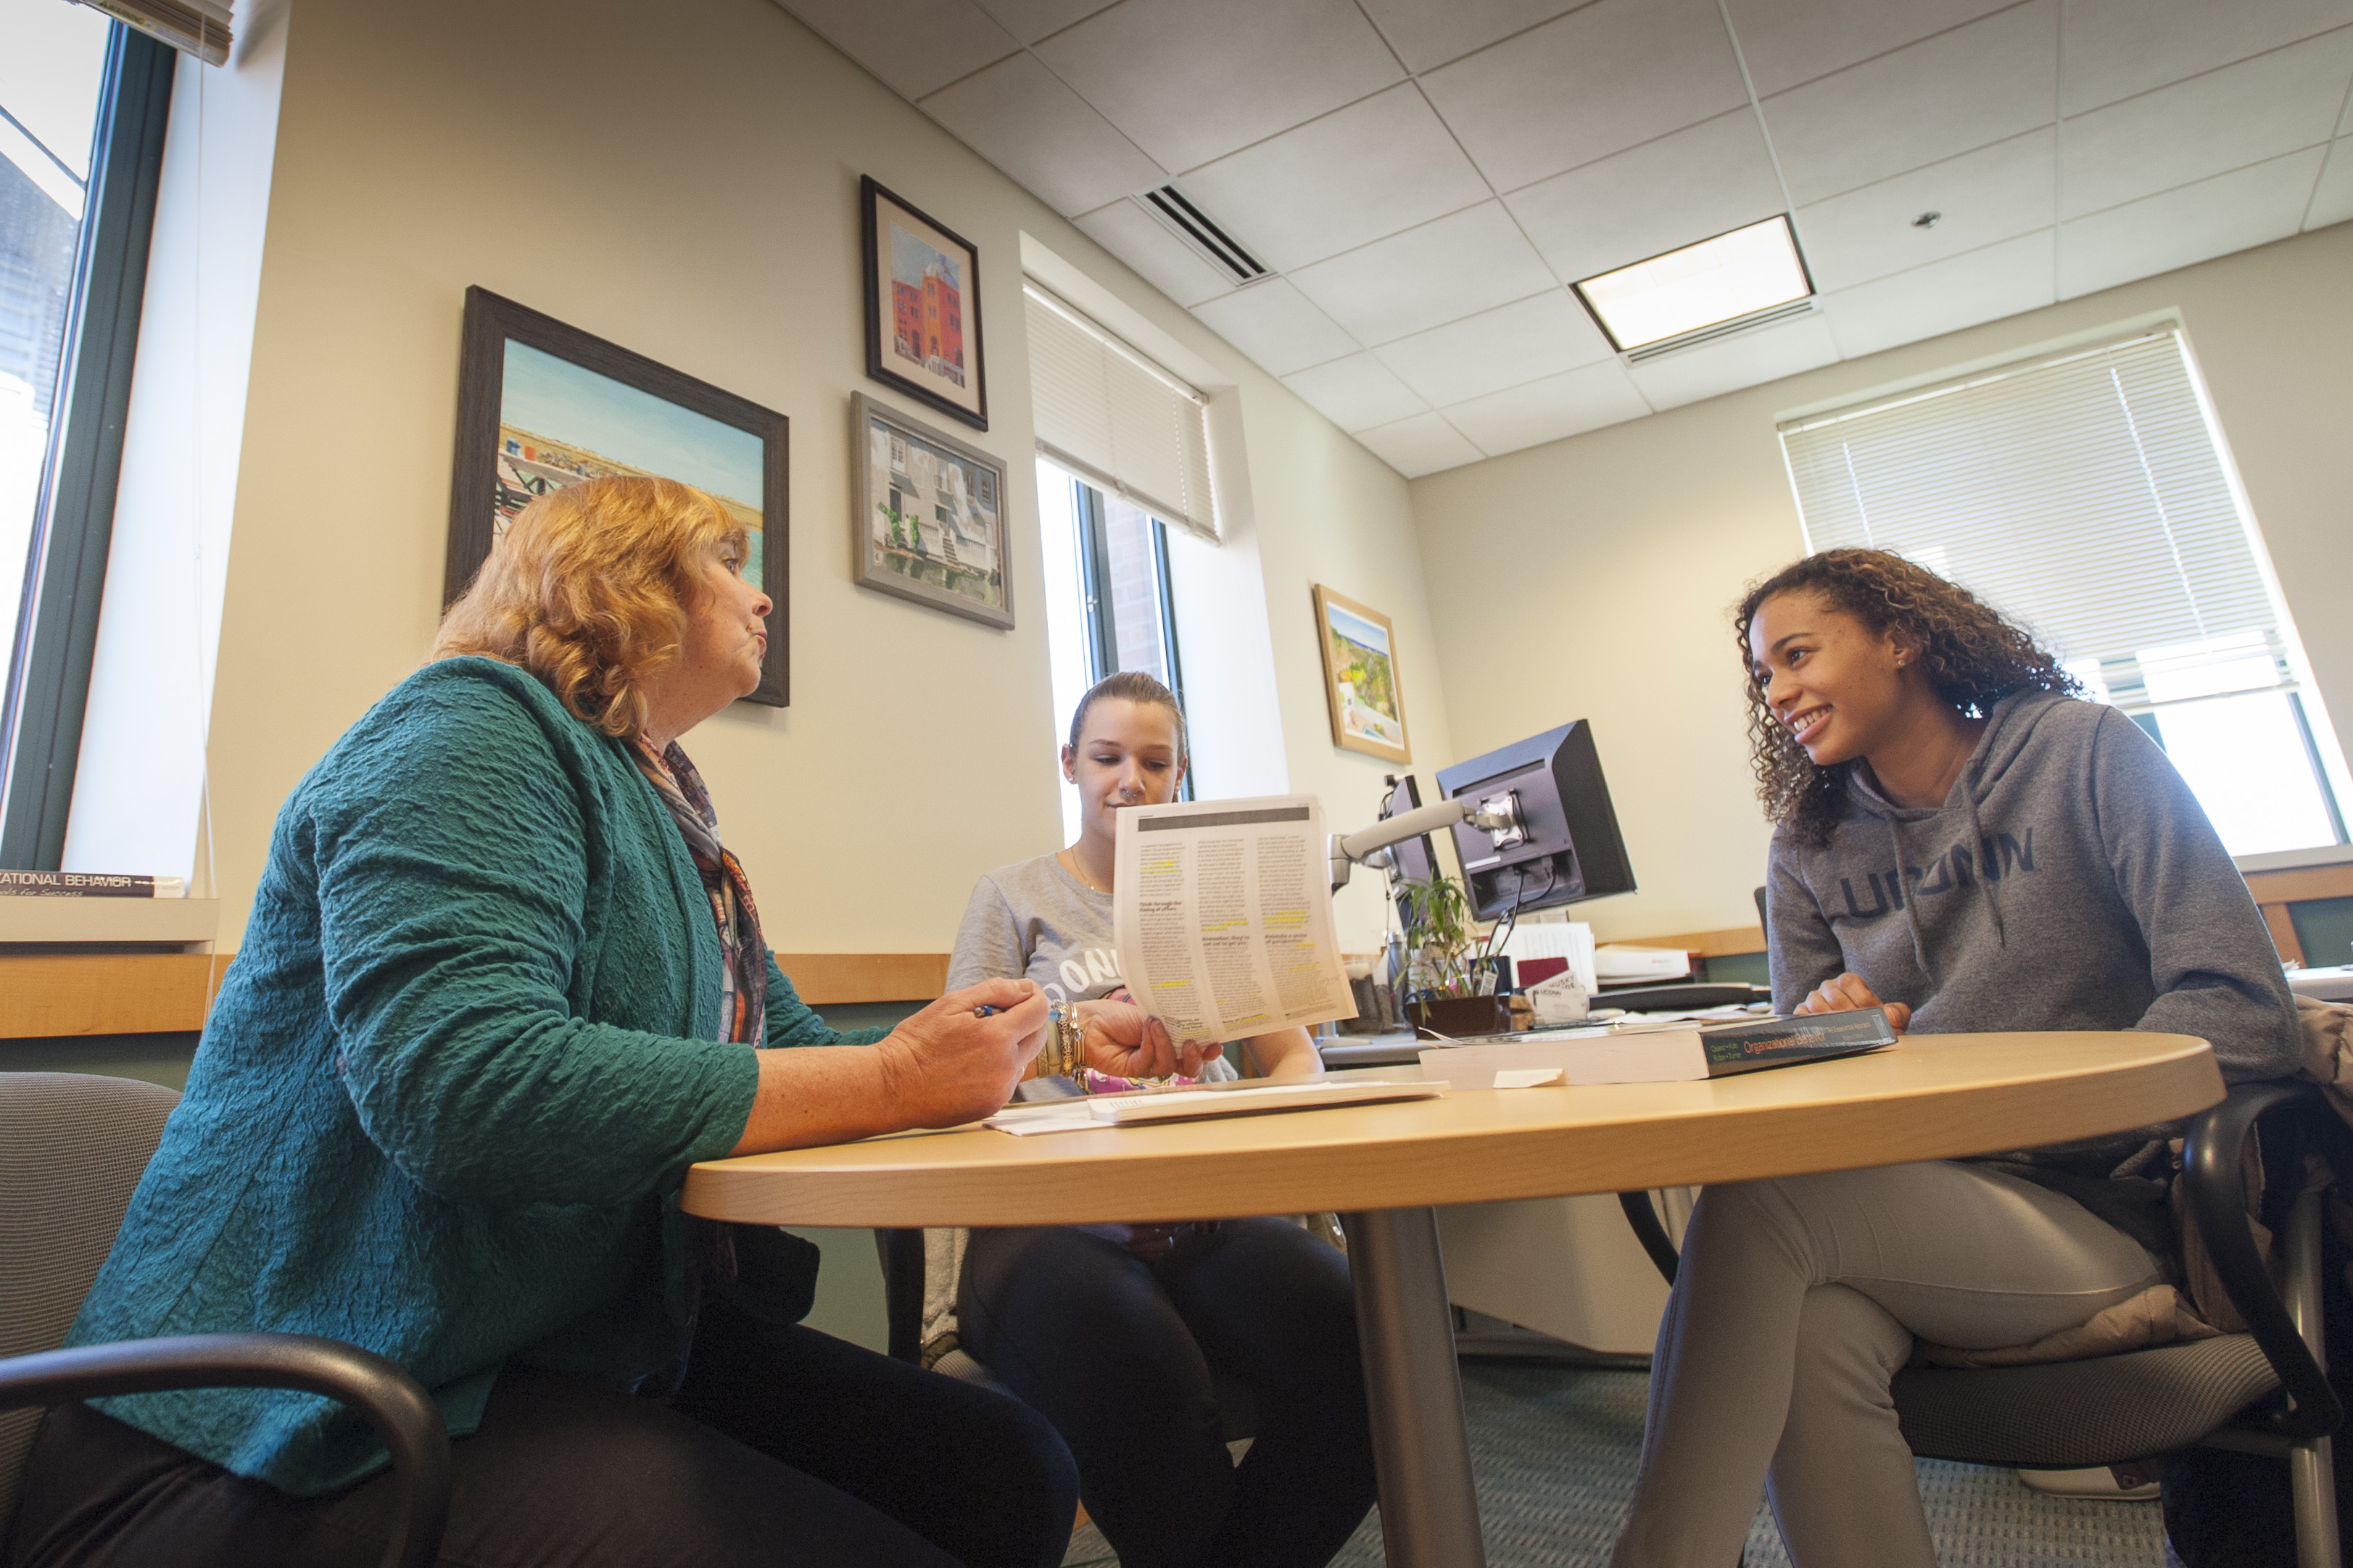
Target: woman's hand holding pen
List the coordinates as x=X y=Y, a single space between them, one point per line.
x=959 y=1058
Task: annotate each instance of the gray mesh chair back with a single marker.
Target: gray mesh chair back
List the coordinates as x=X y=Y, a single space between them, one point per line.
x=72 y=1148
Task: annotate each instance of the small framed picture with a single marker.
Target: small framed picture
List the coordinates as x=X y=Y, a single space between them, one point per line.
x=1360 y=677
x=928 y=522
x=922 y=308
x=542 y=404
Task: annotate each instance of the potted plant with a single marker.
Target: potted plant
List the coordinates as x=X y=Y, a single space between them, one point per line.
x=1446 y=961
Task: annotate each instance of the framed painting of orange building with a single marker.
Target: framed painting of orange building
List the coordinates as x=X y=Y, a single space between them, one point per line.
x=922 y=308
x=1360 y=677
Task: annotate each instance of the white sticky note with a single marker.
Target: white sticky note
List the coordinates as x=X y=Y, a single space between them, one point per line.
x=1527 y=1078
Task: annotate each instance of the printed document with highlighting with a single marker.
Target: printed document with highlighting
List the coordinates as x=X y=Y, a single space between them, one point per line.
x=1223 y=911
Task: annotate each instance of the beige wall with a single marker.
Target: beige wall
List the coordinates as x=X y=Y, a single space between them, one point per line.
x=683 y=179
x=1589 y=579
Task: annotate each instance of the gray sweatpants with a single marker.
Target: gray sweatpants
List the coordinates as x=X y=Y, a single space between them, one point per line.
x=1797 y=1303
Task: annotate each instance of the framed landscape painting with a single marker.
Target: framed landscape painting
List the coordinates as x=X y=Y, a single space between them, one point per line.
x=542 y=404
x=1360 y=679
x=922 y=308
x=928 y=519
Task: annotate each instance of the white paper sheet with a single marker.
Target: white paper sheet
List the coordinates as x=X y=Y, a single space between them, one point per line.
x=1223 y=917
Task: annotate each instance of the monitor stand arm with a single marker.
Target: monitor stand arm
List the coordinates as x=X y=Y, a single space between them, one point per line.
x=1370 y=845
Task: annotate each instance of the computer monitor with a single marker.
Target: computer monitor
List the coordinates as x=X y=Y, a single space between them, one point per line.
x=1568 y=846
x=1414 y=859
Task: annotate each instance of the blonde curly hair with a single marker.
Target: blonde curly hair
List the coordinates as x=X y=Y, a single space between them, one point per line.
x=589 y=588
x=1971 y=656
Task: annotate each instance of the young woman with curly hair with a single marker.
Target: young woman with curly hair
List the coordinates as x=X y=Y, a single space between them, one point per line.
x=1961 y=840
x=502 y=983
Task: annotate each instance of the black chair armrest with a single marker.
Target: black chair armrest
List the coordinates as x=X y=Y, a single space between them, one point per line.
x=2213 y=1158
x=902 y=1291
x=402 y=1414
x=1644 y=1218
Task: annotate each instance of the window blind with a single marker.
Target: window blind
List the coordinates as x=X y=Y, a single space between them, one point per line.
x=1110 y=415
x=198 y=27
x=2082 y=494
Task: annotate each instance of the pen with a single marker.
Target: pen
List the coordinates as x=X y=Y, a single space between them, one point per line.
x=986 y=1011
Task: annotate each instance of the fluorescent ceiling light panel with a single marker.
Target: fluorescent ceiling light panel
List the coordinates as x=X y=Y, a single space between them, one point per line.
x=1720 y=280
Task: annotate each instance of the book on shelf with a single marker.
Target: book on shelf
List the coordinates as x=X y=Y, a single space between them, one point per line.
x=1668 y=1055
x=88 y=885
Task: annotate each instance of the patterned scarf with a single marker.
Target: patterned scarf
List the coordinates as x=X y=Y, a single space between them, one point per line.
x=743 y=955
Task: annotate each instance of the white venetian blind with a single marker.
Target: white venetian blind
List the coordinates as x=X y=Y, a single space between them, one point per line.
x=198 y=27
x=1109 y=414
x=2082 y=494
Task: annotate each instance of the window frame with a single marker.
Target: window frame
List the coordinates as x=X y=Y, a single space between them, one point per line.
x=47 y=691
x=1100 y=621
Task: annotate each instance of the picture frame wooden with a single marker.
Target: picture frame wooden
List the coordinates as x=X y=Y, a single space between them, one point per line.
x=923 y=307
x=622 y=413
x=1361 y=690
x=927 y=518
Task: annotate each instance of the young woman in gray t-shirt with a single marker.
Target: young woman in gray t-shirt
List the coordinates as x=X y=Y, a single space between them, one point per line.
x=1112 y=1331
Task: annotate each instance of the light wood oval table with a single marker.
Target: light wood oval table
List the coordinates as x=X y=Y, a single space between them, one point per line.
x=1383 y=1167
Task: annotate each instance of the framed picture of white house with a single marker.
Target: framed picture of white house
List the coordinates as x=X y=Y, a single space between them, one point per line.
x=928 y=523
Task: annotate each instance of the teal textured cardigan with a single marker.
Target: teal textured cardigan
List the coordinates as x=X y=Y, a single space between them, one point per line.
x=451 y=1085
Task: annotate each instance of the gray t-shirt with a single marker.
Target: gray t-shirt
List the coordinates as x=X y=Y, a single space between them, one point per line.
x=1034 y=921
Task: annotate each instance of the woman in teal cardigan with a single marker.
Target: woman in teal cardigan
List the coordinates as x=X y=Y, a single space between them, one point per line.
x=501 y=985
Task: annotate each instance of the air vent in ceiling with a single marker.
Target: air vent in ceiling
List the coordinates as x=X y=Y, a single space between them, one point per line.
x=1738 y=324
x=1190 y=223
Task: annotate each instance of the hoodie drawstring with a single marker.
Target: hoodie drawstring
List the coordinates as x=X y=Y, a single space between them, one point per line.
x=1978 y=847
x=1905 y=894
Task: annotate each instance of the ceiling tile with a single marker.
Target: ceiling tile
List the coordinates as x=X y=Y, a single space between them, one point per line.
x=1440 y=271
x=1507 y=347
x=1030 y=20
x=1943 y=295
x=1421 y=445
x=1787 y=42
x=1968 y=87
x=1016 y=115
x=1273 y=323
x=1428 y=33
x=1549 y=410
x=1596 y=82
x=1191 y=80
x=1676 y=191
x=2226 y=119
x=1990 y=194
x=1374 y=168
x=2194 y=223
x=1355 y=392
x=1748 y=359
x=2332 y=200
x=1159 y=258
x=916 y=46
x=2118 y=48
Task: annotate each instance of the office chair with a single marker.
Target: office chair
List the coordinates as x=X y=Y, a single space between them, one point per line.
x=72 y=1148
x=2265 y=1391
x=903 y=1294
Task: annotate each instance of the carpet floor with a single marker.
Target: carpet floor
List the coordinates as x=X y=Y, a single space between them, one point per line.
x=1554 y=1452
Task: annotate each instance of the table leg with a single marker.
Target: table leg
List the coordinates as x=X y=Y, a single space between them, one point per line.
x=1421 y=1452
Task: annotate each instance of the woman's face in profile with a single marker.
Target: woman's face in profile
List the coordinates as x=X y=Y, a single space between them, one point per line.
x=1831 y=681
x=1126 y=755
x=725 y=640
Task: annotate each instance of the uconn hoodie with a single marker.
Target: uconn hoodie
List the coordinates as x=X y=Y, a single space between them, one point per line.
x=2069 y=881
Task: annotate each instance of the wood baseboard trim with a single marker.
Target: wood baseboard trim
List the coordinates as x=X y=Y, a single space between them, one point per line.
x=43 y=995
x=823 y=978
x=48 y=994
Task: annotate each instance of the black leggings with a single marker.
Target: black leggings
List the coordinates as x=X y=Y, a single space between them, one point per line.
x=1116 y=1353
x=785 y=1445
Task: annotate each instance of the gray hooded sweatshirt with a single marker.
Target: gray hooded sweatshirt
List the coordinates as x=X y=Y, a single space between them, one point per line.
x=2069 y=881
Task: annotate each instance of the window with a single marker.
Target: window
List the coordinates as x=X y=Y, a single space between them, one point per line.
x=82 y=145
x=1123 y=478
x=2089 y=495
